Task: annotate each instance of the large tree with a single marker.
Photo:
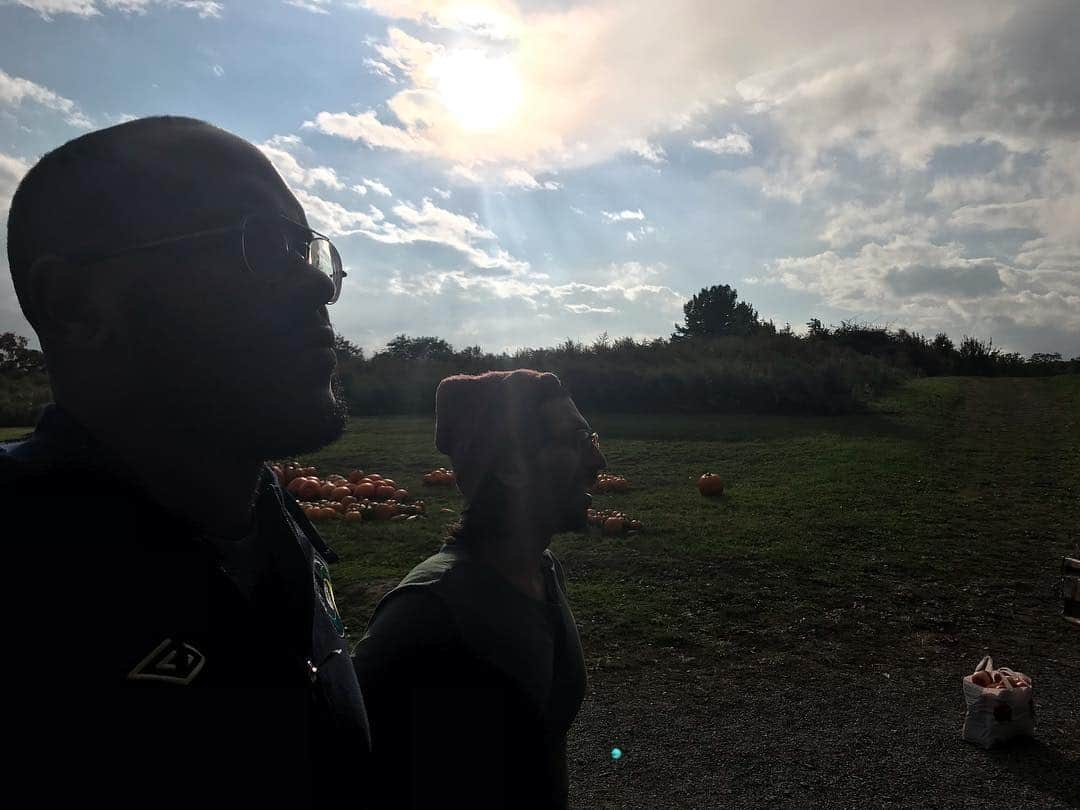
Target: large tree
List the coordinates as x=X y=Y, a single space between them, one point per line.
x=17 y=357
x=419 y=348
x=717 y=312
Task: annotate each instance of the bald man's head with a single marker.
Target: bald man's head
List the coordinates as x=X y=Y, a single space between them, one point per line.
x=183 y=327
x=130 y=184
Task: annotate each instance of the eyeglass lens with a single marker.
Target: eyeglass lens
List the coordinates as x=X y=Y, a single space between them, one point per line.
x=270 y=241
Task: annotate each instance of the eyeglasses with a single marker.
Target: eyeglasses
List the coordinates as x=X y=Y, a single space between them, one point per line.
x=587 y=439
x=268 y=243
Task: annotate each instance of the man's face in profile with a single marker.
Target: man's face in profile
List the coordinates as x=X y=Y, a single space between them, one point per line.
x=567 y=465
x=244 y=359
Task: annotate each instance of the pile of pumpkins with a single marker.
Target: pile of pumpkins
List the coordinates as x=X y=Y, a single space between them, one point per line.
x=439 y=477
x=358 y=496
x=606 y=482
x=612 y=522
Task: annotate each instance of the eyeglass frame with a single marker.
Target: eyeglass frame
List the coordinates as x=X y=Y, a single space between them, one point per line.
x=84 y=259
x=588 y=439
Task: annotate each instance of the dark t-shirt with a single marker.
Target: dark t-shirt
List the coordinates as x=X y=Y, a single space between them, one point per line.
x=472 y=686
x=161 y=665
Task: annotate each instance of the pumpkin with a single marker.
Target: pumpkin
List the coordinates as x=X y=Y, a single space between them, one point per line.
x=710 y=485
x=340 y=493
x=365 y=490
x=309 y=489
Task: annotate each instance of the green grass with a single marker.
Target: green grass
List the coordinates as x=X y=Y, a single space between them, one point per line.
x=14 y=432
x=842 y=504
x=803 y=636
x=817 y=618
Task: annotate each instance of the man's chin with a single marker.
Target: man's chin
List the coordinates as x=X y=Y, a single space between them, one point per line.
x=303 y=426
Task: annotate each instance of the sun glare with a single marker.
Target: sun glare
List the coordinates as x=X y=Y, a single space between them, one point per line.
x=480 y=91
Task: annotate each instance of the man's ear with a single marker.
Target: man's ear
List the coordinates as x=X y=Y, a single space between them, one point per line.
x=67 y=309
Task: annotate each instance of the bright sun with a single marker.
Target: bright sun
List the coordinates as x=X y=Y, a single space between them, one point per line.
x=481 y=92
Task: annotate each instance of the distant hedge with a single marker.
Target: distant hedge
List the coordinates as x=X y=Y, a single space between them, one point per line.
x=762 y=373
x=22 y=396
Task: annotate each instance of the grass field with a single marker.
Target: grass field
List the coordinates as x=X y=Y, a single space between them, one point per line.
x=802 y=638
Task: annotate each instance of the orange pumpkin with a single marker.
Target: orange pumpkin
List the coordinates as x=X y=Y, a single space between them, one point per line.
x=340 y=493
x=308 y=489
x=365 y=490
x=710 y=485
x=355 y=476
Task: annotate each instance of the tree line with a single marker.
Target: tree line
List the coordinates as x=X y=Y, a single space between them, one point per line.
x=723 y=357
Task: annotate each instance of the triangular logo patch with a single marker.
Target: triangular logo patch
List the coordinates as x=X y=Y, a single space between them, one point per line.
x=170 y=662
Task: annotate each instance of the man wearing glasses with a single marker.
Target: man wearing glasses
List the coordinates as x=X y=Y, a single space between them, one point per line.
x=473 y=664
x=180 y=634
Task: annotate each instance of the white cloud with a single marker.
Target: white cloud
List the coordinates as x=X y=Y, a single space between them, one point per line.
x=581 y=309
x=640 y=233
x=935 y=287
x=377 y=187
x=335 y=219
x=653 y=153
x=276 y=149
x=426 y=223
x=495 y=19
x=381 y=69
x=442 y=192
x=368 y=129
x=218 y=71
x=736 y=142
x=622 y=216
x=47 y=8
x=855 y=222
x=14 y=90
x=408 y=55
x=12 y=170
x=465 y=173
x=314 y=6
x=90 y=8
x=519 y=178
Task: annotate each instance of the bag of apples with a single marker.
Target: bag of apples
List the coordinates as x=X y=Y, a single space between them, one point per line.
x=999 y=705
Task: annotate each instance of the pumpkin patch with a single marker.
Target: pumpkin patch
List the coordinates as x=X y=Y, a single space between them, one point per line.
x=439 y=477
x=355 y=497
x=612 y=522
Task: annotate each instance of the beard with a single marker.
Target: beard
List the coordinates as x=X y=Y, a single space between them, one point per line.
x=276 y=423
x=284 y=433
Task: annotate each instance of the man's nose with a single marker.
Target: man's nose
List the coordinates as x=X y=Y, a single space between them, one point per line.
x=310 y=282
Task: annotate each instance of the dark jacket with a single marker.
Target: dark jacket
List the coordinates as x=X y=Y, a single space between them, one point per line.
x=473 y=687
x=162 y=663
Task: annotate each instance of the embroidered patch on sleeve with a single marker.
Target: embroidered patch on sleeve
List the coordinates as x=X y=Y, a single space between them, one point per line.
x=324 y=591
x=170 y=662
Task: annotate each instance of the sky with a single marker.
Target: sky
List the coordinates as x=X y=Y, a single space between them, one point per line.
x=510 y=174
